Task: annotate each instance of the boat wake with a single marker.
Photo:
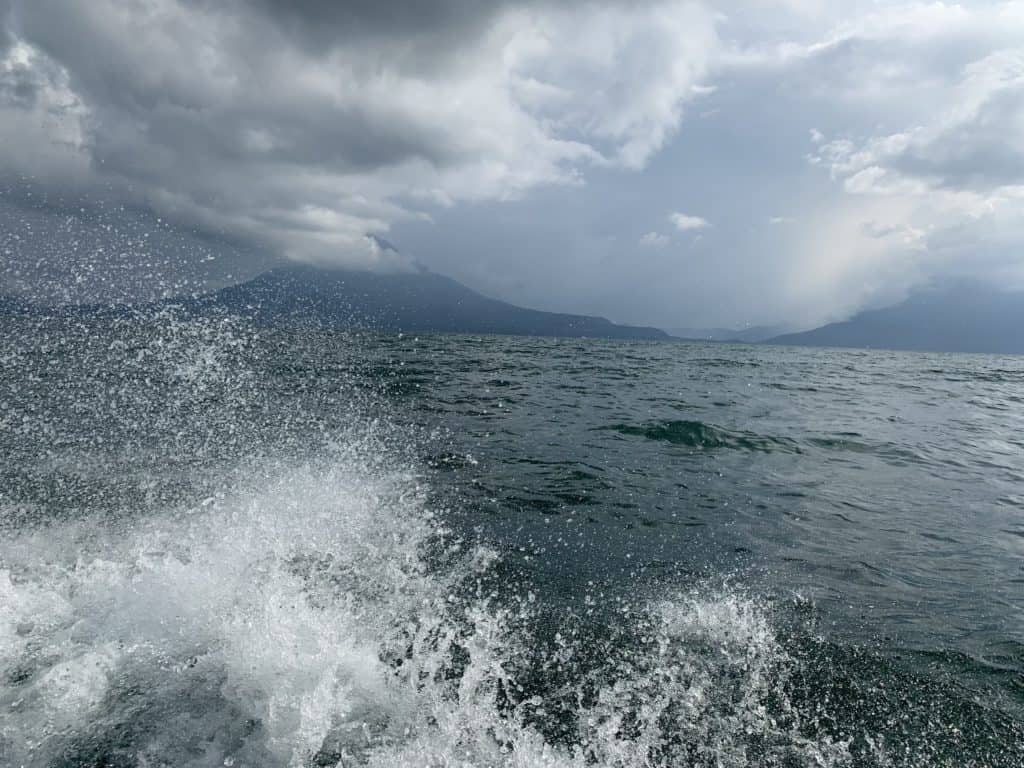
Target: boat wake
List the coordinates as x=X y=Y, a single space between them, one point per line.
x=325 y=616
x=314 y=608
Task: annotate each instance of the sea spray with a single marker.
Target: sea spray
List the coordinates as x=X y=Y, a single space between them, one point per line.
x=221 y=546
x=303 y=621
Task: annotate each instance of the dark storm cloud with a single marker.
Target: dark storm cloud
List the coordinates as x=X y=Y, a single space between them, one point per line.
x=444 y=23
x=153 y=88
x=305 y=127
x=530 y=147
x=6 y=34
x=429 y=31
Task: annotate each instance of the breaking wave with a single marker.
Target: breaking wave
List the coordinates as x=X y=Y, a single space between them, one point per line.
x=697 y=434
x=241 y=583
x=325 y=616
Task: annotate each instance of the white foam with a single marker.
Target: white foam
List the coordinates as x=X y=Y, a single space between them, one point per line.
x=289 y=605
x=287 y=590
x=288 y=612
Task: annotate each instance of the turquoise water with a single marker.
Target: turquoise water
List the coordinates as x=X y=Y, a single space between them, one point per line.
x=222 y=545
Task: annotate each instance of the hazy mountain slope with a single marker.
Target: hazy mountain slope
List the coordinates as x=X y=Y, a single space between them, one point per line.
x=414 y=301
x=953 y=318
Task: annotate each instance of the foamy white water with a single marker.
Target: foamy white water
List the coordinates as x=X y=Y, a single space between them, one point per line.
x=210 y=566
x=297 y=621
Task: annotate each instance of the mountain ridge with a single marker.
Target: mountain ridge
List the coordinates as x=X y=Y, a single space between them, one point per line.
x=416 y=301
x=958 y=317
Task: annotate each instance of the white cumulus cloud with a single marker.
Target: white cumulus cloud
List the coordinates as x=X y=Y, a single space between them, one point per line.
x=686 y=223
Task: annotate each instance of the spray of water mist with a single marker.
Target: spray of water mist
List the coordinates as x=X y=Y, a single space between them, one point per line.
x=262 y=588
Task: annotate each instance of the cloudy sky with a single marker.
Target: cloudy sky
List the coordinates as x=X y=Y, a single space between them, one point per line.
x=671 y=163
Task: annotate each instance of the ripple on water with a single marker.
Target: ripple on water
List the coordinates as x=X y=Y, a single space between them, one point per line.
x=698 y=434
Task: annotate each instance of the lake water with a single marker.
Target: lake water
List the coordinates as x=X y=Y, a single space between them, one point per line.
x=222 y=545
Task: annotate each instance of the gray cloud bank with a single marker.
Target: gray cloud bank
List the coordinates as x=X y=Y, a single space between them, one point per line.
x=308 y=125
x=307 y=129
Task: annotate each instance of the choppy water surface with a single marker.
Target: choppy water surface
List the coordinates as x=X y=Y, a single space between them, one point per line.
x=239 y=547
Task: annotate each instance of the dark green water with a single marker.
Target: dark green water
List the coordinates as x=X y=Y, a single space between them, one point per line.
x=228 y=546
